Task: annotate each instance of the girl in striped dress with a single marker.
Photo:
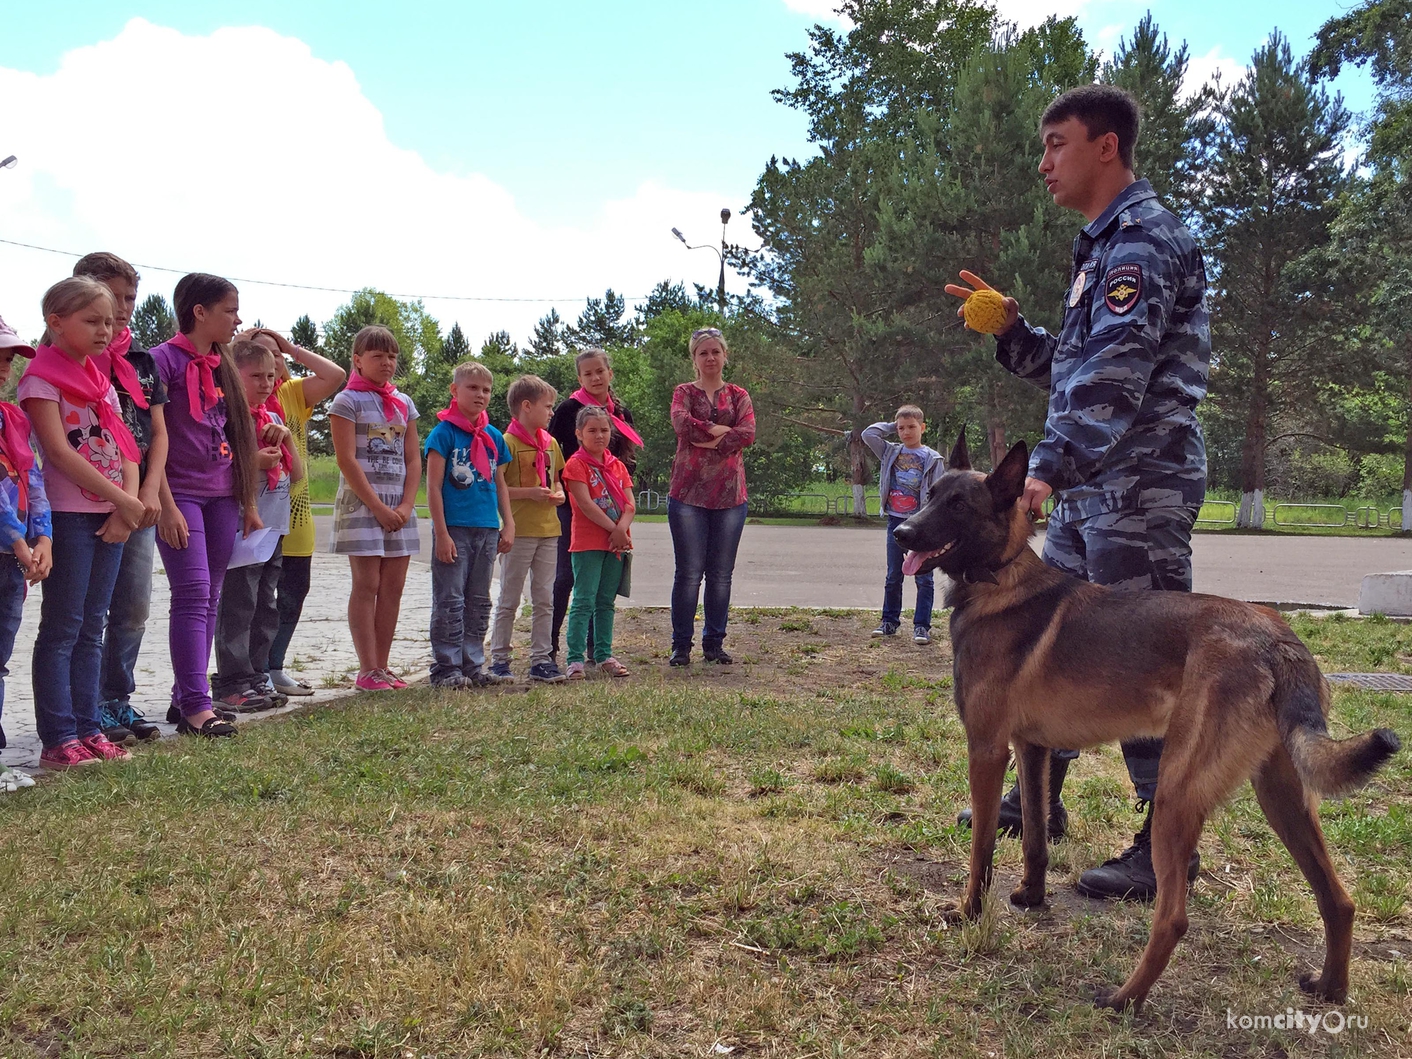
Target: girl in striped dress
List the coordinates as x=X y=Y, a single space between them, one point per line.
x=374 y=429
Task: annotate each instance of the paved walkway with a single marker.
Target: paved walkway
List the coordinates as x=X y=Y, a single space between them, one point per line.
x=820 y=566
x=778 y=566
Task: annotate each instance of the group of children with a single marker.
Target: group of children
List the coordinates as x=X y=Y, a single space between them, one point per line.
x=197 y=450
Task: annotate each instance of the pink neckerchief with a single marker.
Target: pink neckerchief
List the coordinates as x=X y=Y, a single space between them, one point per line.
x=605 y=467
x=393 y=408
x=272 y=405
x=482 y=448
x=14 y=438
x=540 y=442
x=582 y=396
x=84 y=384
x=114 y=360
x=201 y=390
x=263 y=418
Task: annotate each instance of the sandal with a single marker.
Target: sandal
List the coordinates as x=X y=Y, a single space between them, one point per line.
x=613 y=668
x=214 y=728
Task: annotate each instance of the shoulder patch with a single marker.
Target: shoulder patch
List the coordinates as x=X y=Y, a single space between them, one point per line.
x=1122 y=287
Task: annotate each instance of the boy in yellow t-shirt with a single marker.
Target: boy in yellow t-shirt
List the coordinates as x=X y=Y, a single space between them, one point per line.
x=535 y=492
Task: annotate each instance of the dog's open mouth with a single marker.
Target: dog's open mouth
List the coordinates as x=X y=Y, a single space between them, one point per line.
x=914 y=560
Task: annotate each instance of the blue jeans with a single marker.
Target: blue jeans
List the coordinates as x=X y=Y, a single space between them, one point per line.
x=892 y=587
x=127 y=618
x=12 y=605
x=68 y=650
x=460 y=602
x=704 y=541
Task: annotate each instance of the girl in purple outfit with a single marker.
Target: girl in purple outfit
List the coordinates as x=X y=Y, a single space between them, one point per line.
x=209 y=493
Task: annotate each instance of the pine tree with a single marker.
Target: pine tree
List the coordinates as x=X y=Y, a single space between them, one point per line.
x=153 y=322
x=1270 y=197
x=1175 y=132
x=304 y=334
x=455 y=347
x=602 y=323
x=547 y=340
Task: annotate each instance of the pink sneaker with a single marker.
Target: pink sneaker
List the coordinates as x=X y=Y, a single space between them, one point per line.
x=70 y=755
x=372 y=680
x=396 y=682
x=99 y=746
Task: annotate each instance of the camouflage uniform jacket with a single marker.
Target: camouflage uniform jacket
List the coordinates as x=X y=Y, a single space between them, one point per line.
x=1128 y=369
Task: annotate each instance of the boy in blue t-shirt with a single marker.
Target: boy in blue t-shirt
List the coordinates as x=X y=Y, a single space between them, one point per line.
x=472 y=524
x=909 y=470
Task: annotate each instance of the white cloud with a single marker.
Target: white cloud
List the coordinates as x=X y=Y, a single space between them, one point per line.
x=250 y=157
x=823 y=10
x=1027 y=13
x=1203 y=68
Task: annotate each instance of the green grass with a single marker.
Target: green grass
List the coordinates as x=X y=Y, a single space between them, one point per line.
x=807 y=510
x=652 y=867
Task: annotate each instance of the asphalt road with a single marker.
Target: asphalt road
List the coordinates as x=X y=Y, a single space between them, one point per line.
x=819 y=566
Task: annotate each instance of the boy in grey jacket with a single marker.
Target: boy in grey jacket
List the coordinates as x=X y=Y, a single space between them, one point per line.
x=909 y=470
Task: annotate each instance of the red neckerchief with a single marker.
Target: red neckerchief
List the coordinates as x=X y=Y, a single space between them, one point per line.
x=263 y=418
x=114 y=360
x=201 y=390
x=482 y=448
x=393 y=409
x=582 y=396
x=605 y=467
x=14 y=438
x=540 y=442
x=85 y=385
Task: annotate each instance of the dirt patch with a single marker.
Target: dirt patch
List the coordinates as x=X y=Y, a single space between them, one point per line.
x=787 y=650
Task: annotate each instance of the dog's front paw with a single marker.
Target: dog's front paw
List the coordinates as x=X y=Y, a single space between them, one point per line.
x=952 y=915
x=1027 y=896
x=1316 y=987
x=1113 y=1000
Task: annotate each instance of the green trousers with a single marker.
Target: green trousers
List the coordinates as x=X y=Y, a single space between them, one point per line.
x=596 y=577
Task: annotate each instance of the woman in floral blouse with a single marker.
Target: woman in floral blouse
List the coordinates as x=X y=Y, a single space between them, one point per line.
x=714 y=421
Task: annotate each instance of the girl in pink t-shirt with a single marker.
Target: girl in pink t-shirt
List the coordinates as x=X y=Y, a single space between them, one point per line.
x=90 y=474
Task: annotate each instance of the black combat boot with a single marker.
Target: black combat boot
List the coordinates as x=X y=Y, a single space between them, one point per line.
x=1130 y=876
x=1010 y=817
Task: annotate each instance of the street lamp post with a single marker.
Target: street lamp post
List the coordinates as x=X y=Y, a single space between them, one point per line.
x=720 y=253
x=8 y=162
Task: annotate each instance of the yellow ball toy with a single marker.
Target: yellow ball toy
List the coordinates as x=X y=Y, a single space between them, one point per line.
x=985 y=312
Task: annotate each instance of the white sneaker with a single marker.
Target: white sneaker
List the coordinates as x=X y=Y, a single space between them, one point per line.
x=288 y=685
x=12 y=780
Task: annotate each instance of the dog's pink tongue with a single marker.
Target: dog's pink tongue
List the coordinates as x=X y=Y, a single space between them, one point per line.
x=912 y=562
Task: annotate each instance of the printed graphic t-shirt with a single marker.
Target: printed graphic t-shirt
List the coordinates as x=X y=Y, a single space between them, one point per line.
x=300 y=539
x=586 y=536
x=139 y=420
x=467 y=498
x=904 y=492
x=86 y=437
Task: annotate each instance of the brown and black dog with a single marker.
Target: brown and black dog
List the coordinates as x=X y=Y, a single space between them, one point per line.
x=1042 y=659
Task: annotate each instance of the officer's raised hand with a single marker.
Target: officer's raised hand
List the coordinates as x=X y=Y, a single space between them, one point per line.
x=1012 y=307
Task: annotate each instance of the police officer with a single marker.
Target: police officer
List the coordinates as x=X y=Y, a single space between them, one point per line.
x=1122 y=452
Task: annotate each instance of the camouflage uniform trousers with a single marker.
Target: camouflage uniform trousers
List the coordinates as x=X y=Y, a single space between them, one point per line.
x=1130 y=551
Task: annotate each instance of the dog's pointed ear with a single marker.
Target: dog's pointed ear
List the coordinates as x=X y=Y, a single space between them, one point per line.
x=960 y=458
x=1007 y=482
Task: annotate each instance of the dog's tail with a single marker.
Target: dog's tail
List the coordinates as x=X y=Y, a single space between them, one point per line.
x=1301 y=699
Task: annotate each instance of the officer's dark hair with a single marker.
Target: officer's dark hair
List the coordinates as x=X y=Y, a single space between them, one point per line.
x=1102 y=109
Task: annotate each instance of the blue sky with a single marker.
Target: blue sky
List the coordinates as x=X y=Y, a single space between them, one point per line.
x=570 y=118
